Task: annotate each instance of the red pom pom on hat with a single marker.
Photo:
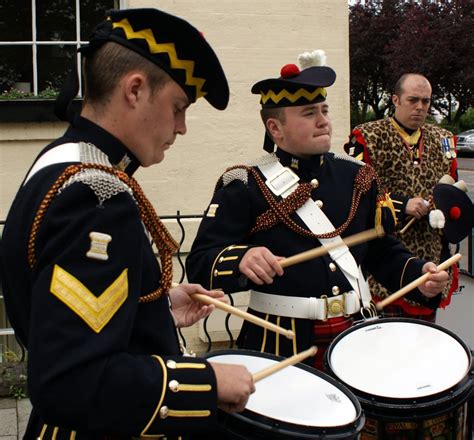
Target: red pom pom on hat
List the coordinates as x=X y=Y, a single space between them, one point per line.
x=289 y=71
x=455 y=213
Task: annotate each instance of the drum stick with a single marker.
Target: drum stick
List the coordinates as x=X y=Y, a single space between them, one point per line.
x=403 y=230
x=415 y=283
x=244 y=315
x=413 y=219
x=352 y=240
x=446 y=179
x=262 y=374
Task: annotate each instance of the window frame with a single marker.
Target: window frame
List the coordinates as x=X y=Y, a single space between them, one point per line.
x=35 y=109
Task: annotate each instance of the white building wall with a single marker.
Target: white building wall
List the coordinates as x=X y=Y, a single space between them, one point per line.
x=253 y=40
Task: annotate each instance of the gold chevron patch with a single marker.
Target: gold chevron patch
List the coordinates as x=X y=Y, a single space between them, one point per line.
x=170 y=49
x=95 y=311
x=293 y=97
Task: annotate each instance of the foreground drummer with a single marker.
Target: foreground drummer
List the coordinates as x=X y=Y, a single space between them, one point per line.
x=82 y=286
x=251 y=223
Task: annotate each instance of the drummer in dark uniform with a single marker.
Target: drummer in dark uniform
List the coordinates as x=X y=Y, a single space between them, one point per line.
x=293 y=199
x=83 y=288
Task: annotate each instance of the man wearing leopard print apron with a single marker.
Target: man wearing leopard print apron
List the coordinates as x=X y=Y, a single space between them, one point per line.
x=410 y=156
x=289 y=201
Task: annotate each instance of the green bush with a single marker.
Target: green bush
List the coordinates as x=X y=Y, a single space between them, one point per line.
x=47 y=93
x=467 y=120
x=357 y=117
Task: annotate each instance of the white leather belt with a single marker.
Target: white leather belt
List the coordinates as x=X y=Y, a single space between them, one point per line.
x=305 y=308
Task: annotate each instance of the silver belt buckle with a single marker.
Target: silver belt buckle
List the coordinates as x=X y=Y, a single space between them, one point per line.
x=282 y=181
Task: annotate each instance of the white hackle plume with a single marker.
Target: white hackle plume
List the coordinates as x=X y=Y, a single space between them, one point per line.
x=437 y=219
x=309 y=59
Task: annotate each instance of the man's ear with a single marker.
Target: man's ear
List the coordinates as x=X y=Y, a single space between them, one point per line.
x=273 y=127
x=395 y=100
x=133 y=88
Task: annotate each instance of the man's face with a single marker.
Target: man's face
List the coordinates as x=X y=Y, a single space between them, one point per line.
x=161 y=117
x=306 y=131
x=411 y=107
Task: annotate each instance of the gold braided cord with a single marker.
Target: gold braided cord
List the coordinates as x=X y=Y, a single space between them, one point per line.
x=283 y=208
x=164 y=241
x=279 y=211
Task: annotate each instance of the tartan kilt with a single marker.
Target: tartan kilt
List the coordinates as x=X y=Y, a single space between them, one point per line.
x=325 y=332
x=396 y=311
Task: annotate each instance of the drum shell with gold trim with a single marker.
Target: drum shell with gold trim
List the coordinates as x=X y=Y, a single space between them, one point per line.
x=413 y=378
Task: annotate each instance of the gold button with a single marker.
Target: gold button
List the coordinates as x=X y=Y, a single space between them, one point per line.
x=174 y=386
x=333 y=267
x=216 y=273
x=335 y=290
x=335 y=307
x=314 y=183
x=171 y=364
x=164 y=411
x=319 y=203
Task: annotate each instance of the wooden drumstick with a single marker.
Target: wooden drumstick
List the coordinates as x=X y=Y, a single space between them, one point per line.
x=412 y=220
x=244 y=315
x=446 y=179
x=352 y=240
x=403 y=230
x=262 y=374
x=415 y=283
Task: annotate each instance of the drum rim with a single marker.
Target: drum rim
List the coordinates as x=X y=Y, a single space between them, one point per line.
x=462 y=390
x=305 y=431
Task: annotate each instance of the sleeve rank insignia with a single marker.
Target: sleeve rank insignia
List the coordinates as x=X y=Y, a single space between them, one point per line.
x=95 y=311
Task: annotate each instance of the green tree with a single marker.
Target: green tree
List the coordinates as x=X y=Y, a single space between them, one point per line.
x=432 y=37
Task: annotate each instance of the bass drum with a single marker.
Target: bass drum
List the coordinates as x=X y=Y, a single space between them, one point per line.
x=297 y=402
x=412 y=378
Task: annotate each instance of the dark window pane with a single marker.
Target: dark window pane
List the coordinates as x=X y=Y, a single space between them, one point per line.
x=54 y=64
x=56 y=20
x=92 y=13
x=15 y=20
x=16 y=67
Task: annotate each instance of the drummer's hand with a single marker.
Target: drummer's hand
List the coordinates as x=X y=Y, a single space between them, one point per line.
x=185 y=309
x=436 y=282
x=260 y=265
x=234 y=386
x=417 y=207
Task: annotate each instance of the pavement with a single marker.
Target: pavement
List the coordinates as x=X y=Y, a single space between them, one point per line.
x=14 y=416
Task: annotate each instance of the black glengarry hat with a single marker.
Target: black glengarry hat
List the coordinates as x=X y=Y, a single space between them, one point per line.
x=457 y=208
x=169 y=42
x=296 y=87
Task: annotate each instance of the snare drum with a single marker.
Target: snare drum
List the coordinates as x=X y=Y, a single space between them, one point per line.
x=411 y=377
x=297 y=402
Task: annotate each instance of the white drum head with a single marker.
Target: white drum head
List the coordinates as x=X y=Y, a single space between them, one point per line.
x=399 y=360
x=294 y=395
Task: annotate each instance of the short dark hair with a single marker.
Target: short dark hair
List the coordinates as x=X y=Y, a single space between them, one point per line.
x=111 y=62
x=276 y=113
